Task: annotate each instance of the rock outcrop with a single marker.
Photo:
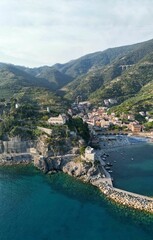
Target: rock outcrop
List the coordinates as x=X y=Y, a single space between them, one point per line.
x=70 y=164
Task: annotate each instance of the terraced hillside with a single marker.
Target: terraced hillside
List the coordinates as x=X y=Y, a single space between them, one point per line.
x=123 y=73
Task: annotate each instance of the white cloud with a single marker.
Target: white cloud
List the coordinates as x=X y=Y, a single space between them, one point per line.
x=42 y=32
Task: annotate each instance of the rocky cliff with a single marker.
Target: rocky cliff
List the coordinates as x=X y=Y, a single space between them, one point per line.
x=42 y=153
x=70 y=164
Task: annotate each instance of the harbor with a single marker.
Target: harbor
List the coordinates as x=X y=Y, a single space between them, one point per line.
x=123 y=157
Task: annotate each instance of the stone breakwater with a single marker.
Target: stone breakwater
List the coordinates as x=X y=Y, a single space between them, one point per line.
x=97 y=177
x=129 y=199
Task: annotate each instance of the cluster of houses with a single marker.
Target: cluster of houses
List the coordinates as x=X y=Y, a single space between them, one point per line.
x=99 y=117
x=95 y=117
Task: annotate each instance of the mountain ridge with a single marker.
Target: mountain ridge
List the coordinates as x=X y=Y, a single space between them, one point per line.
x=118 y=73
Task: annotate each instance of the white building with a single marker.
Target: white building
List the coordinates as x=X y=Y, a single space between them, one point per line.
x=16 y=105
x=48 y=109
x=142 y=113
x=112 y=101
x=106 y=102
x=89 y=154
x=60 y=120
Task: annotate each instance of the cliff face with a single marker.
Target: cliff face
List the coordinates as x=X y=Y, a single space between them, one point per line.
x=16 y=145
x=15 y=151
x=52 y=147
x=68 y=164
x=47 y=157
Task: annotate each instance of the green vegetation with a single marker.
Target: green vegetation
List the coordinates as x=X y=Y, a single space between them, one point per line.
x=101 y=76
x=77 y=124
x=143 y=101
x=82 y=150
x=148 y=126
x=124 y=73
x=30 y=113
x=83 y=86
x=116 y=128
x=59 y=141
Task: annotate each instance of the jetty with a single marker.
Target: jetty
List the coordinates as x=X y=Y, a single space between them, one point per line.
x=133 y=200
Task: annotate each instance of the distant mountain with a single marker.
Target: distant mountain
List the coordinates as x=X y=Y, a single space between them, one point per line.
x=122 y=73
x=93 y=61
x=130 y=81
x=56 y=78
x=120 y=79
x=14 y=78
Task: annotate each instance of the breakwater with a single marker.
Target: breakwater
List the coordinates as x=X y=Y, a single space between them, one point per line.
x=136 y=201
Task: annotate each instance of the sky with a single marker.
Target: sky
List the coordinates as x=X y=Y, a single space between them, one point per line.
x=44 y=32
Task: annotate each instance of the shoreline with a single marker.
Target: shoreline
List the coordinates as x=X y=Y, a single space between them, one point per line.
x=101 y=179
x=122 y=197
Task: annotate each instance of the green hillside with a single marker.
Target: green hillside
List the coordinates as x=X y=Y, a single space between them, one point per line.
x=129 y=83
x=111 y=80
x=94 y=61
x=143 y=101
x=35 y=106
x=41 y=98
x=121 y=73
x=12 y=80
x=56 y=78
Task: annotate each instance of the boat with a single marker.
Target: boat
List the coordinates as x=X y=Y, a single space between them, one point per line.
x=109 y=164
x=107 y=168
x=110 y=171
x=105 y=155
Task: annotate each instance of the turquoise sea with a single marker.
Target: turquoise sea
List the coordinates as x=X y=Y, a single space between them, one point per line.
x=133 y=168
x=34 y=206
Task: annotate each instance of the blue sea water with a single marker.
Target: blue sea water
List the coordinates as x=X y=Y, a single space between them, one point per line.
x=133 y=168
x=34 y=206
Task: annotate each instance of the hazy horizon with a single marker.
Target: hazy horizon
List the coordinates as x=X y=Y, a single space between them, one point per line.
x=48 y=32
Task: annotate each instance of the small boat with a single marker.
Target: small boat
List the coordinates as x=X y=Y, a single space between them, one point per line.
x=110 y=171
x=107 y=155
x=132 y=158
x=109 y=164
x=114 y=161
x=107 y=168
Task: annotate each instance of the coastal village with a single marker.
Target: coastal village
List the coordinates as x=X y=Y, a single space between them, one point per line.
x=101 y=117
x=76 y=120
x=91 y=165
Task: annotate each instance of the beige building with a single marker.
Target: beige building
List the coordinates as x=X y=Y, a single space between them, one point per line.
x=134 y=127
x=104 y=123
x=60 y=120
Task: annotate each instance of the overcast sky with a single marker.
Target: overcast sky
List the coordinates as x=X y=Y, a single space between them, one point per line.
x=44 y=32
